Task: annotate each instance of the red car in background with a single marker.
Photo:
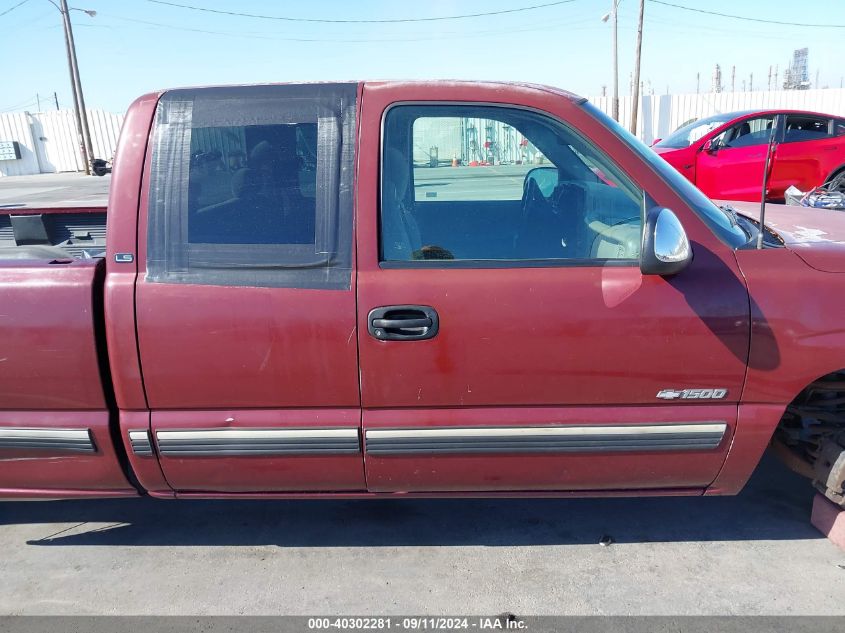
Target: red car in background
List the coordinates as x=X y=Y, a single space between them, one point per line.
x=724 y=155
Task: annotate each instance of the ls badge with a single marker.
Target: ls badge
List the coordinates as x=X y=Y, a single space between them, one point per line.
x=692 y=394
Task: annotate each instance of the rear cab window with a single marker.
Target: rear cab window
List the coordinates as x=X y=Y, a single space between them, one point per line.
x=252 y=186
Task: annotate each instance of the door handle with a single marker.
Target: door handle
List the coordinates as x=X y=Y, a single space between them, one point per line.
x=403 y=323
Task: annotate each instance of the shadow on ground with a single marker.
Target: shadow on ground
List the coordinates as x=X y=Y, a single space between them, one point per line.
x=775 y=505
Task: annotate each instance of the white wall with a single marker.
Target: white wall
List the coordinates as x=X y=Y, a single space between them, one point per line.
x=661 y=114
x=49 y=142
x=16 y=127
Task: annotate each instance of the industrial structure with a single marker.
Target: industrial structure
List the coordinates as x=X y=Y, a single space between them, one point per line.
x=797 y=75
x=465 y=141
x=717 y=79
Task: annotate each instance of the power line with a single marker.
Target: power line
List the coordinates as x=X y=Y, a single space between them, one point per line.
x=21 y=106
x=10 y=9
x=747 y=19
x=383 y=21
x=440 y=36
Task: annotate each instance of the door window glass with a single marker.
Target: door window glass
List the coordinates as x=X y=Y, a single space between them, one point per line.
x=482 y=183
x=747 y=133
x=806 y=128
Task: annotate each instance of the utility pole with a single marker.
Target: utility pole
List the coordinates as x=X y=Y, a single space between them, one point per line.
x=636 y=99
x=38 y=101
x=615 y=61
x=733 y=78
x=56 y=99
x=79 y=135
x=751 y=82
x=697 y=83
x=612 y=16
x=79 y=99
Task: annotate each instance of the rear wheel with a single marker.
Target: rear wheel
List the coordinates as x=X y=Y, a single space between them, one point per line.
x=811 y=435
x=837 y=183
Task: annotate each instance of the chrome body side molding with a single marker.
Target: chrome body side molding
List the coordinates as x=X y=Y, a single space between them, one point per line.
x=47 y=439
x=140 y=441
x=542 y=439
x=258 y=442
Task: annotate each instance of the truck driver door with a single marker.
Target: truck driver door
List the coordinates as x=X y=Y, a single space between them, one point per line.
x=508 y=340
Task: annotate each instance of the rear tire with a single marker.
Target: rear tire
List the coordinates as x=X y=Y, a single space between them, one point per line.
x=837 y=182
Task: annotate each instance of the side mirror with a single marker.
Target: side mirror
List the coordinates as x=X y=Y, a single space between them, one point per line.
x=666 y=249
x=711 y=146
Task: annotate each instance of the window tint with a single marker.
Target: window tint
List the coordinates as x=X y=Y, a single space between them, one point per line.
x=252 y=186
x=806 y=128
x=747 y=133
x=839 y=127
x=481 y=183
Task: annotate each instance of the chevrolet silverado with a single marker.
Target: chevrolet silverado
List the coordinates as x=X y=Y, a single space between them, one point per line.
x=410 y=288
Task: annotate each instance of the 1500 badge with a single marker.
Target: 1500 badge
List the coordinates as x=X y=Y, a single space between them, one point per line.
x=692 y=394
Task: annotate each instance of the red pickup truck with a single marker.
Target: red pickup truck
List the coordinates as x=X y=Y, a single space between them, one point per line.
x=410 y=288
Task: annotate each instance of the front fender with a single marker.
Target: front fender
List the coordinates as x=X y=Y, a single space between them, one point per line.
x=797 y=324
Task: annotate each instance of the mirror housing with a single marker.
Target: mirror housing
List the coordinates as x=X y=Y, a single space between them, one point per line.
x=666 y=249
x=711 y=146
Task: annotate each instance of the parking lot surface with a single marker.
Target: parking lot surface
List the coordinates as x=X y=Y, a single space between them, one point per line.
x=52 y=190
x=751 y=554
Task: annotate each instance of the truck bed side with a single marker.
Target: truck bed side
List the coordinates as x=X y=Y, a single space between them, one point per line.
x=54 y=420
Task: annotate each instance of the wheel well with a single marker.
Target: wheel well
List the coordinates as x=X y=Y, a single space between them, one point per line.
x=834 y=173
x=810 y=436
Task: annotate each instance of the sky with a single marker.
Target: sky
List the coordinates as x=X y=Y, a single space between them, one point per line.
x=136 y=46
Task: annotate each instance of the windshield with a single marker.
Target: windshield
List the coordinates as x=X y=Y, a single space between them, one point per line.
x=688 y=134
x=719 y=222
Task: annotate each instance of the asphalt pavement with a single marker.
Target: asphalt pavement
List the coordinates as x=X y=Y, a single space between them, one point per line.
x=489 y=182
x=752 y=554
x=54 y=190
x=500 y=182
